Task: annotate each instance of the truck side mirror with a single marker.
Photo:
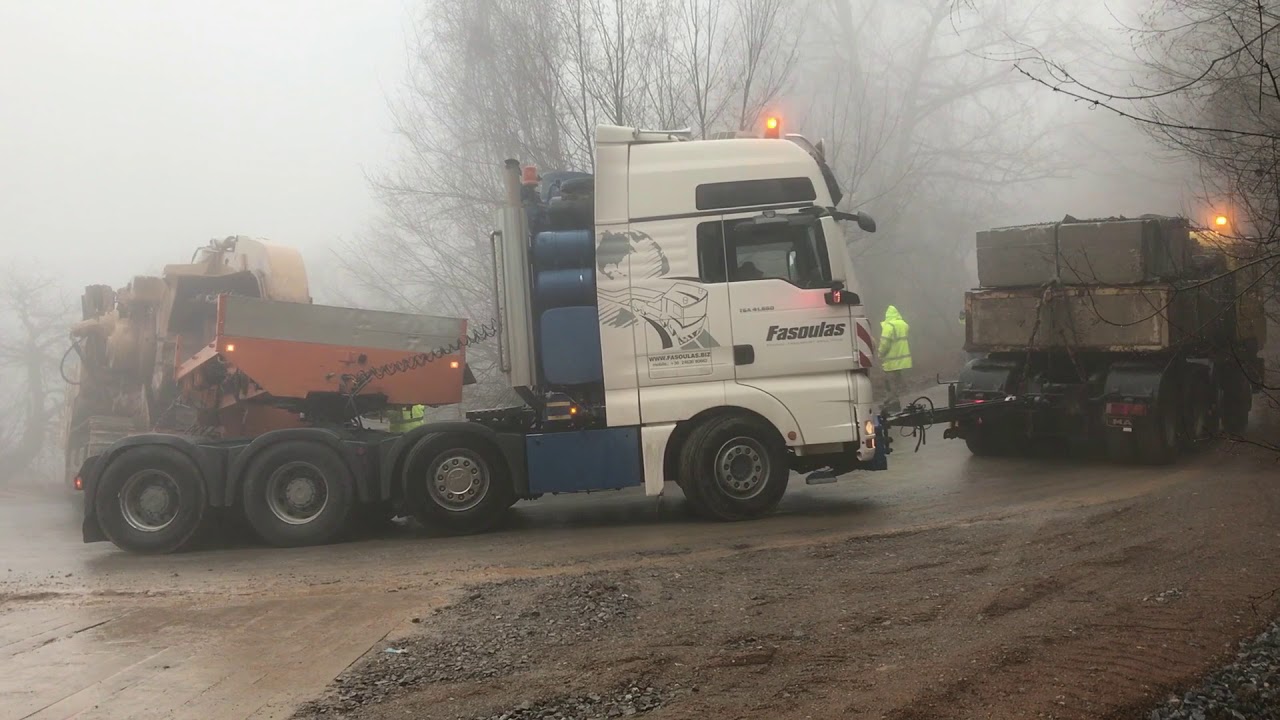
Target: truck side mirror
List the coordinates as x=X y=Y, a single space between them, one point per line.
x=837 y=295
x=865 y=221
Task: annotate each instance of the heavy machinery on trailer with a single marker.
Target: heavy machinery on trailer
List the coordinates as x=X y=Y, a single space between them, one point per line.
x=687 y=314
x=219 y=385
x=130 y=340
x=1138 y=337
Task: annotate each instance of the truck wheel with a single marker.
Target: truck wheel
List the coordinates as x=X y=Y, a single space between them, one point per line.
x=459 y=484
x=298 y=493
x=151 y=499
x=733 y=468
x=988 y=440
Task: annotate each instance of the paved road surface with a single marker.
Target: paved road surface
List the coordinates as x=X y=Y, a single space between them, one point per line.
x=88 y=631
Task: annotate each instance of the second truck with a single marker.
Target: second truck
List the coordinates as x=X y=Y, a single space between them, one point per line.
x=1138 y=338
x=687 y=314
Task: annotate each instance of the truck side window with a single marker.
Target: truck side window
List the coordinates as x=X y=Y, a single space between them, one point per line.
x=794 y=253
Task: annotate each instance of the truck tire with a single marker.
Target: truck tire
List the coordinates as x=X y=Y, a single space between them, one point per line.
x=150 y=499
x=733 y=467
x=458 y=484
x=990 y=439
x=298 y=493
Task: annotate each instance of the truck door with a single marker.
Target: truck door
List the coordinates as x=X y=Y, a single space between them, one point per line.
x=787 y=341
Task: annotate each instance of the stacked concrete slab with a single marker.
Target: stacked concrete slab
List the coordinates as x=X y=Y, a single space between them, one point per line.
x=1106 y=285
x=1092 y=252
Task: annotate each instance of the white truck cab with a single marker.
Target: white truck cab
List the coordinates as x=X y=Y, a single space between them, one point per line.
x=688 y=292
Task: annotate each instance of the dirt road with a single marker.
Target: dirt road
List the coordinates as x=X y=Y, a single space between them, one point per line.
x=947 y=587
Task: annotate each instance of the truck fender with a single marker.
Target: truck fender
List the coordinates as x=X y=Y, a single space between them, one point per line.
x=1133 y=380
x=988 y=376
x=208 y=461
x=359 y=464
x=654 y=440
x=760 y=402
x=397 y=453
x=672 y=437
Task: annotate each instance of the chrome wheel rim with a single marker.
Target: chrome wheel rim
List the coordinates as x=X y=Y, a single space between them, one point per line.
x=458 y=480
x=297 y=493
x=742 y=468
x=149 y=500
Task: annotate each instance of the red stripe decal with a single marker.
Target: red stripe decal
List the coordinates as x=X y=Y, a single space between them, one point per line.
x=865 y=335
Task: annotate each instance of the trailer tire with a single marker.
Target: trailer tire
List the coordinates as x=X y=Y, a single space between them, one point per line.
x=733 y=467
x=150 y=499
x=298 y=493
x=441 y=464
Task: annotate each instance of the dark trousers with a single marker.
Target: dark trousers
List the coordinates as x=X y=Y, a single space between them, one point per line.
x=895 y=382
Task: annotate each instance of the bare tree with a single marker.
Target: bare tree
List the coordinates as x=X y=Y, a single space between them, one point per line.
x=932 y=138
x=33 y=332
x=1206 y=88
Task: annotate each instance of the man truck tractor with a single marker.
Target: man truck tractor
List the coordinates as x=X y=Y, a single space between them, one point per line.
x=1138 y=338
x=687 y=314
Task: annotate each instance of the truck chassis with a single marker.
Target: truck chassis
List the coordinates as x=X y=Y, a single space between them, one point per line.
x=1129 y=407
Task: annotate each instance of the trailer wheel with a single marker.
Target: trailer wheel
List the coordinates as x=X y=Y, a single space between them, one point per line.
x=298 y=493
x=733 y=467
x=458 y=484
x=151 y=499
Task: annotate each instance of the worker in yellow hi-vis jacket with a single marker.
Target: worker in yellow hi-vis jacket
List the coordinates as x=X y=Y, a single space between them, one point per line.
x=406 y=418
x=895 y=355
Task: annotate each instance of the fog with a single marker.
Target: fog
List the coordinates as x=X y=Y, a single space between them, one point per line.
x=132 y=131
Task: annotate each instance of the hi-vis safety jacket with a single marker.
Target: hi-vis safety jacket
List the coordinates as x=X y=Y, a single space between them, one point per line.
x=404 y=419
x=894 y=352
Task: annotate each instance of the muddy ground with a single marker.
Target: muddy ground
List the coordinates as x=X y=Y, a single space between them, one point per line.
x=948 y=587
x=1088 y=612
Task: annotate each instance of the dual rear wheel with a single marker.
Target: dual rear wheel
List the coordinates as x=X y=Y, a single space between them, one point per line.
x=152 y=498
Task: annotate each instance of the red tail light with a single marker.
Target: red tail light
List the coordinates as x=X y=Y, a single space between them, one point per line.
x=78 y=482
x=1126 y=409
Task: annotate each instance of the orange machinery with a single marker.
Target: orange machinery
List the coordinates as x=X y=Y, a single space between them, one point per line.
x=237 y=327
x=275 y=364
